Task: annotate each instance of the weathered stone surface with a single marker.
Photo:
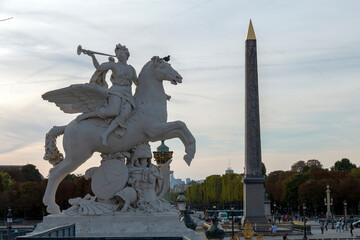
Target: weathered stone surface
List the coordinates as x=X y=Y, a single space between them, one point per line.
x=254 y=191
x=125 y=225
x=106 y=112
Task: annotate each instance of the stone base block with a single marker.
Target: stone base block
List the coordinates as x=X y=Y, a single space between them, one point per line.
x=166 y=224
x=260 y=222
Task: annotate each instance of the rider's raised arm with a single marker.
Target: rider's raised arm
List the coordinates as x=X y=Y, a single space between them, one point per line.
x=101 y=67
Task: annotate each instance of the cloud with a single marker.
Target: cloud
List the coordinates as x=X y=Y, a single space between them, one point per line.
x=307 y=63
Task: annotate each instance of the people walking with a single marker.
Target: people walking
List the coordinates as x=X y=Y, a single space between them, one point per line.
x=274 y=228
x=338 y=226
x=326 y=225
x=322 y=227
x=351 y=229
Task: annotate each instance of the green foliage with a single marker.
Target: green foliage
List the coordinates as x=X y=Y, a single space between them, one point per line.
x=30 y=173
x=298 y=167
x=355 y=173
x=307 y=183
x=70 y=178
x=213 y=186
x=291 y=186
x=313 y=163
x=309 y=191
x=274 y=184
x=310 y=165
x=5 y=181
x=343 y=164
x=263 y=169
x=195 y=193
x=173 y=196
x=224 y=189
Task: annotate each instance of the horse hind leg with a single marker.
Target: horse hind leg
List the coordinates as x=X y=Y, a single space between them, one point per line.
x=190 y=144
x=57 y=174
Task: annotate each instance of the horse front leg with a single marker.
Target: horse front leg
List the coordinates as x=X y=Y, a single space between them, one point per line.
x=176 y=129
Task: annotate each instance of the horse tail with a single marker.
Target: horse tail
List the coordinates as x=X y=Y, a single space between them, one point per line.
x=52 y=153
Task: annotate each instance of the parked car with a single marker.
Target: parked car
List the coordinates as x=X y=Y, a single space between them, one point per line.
x=356 y=224
x=223 y=217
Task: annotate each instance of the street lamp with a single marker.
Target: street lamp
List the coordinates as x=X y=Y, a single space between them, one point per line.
x=345 y=213
x=9 y=220
x=304 y=211
x=181 y=202
x=215 y=231
x=274 y=204
x=332 y=214
x=232 y=222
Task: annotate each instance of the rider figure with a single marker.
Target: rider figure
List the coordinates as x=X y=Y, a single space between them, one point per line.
x=120 y=102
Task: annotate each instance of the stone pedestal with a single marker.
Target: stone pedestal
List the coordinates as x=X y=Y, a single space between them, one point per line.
x=166 y=224
x=254 y=210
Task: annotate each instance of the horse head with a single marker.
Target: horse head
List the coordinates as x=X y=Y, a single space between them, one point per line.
x=164 y=71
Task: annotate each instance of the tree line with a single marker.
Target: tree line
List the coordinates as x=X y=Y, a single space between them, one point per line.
x=22 y=189
x=305 y=182
x=217 y=190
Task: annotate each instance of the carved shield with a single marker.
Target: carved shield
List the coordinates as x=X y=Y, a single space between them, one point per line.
x=109 y=179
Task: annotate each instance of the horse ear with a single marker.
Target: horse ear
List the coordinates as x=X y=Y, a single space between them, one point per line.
x=156 y=60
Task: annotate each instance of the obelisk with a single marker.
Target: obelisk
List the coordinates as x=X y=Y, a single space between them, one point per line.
x=254 y=191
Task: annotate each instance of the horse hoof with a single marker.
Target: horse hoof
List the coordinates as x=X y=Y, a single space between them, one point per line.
x=53 y=209
x=188 y=159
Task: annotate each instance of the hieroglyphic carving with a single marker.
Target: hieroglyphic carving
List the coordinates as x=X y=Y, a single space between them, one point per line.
x=252 y=130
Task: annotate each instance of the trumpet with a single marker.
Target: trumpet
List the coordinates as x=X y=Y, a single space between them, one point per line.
x=81 y=50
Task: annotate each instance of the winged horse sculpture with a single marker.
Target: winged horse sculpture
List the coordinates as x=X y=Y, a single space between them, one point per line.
x=81 y=139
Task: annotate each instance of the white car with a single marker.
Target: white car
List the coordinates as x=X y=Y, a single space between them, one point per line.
x=356 y=224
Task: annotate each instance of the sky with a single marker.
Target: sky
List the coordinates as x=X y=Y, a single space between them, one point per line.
x=308 y=68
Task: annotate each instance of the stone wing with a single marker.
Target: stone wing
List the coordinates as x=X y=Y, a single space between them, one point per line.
x=78 y=98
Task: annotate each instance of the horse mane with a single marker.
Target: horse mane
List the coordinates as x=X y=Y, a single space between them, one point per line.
x=143 y=71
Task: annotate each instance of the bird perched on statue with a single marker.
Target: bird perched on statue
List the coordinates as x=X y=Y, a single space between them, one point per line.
x=166 y=59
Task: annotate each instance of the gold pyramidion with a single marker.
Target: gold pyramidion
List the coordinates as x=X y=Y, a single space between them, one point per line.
x=251 y=33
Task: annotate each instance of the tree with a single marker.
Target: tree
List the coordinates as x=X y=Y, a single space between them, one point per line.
x=344 y=164
x=194 y=193
x=5 y=181
x=299 y=167
x=291 y=187
x=355 y=173
x=228 y=185
x=70 y=178
x=274 y=184
x=213 y=185
x=30 y=173
x=313 y=163
x=263 y=169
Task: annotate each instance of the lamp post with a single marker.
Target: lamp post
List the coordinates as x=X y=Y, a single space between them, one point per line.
x=332 y=214
x=274 y=217
x=182 y=206
x=345 y=213
x=304 y=211
x=232 y=222
x=9 y=219
x=215 y=231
